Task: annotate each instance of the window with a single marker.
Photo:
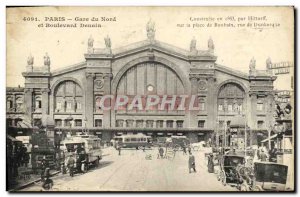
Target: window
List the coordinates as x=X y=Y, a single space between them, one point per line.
x=58 y=122
x=220 y=107
x=260 y=124
x=221 y=123
x=9 y=104
x=9 y=122
x=169 y=123
x=139 y=123
x=230 y=108
x=149 y=123
x=119 y=123
x=201 y=123
x=78 y=123
x=202 y=104
x=159 y=124
x=98 y=122
x=37 y=122
x=78 y=106
x=38 y=102
x=19 y=102
x=129 y=123
x=67 y=123
x=260 y=105
x=58 y=106
x=97 y=104
x=179 y=124
x=69 y=105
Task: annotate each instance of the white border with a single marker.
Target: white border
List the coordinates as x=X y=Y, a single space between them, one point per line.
x=5 y=3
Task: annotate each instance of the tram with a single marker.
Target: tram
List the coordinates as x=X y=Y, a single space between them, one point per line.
x=137 y=141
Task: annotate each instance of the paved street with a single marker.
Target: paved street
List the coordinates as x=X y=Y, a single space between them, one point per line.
x=133 y=172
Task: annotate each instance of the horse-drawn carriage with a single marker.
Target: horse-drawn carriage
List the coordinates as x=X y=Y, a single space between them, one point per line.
x=230 y=164
x=266 y=176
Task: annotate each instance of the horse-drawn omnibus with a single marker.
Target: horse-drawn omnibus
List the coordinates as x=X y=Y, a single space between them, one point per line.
x=83 y=145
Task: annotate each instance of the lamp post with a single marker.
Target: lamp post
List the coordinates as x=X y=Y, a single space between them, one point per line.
x=69 y=119
x=225 y=122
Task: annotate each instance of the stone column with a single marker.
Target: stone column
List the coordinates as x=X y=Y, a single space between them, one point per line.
x=28 y=103
x=194 y=91
x=89 y=98
x=45 y=104
x=252 y=110
x=210 y=104
x=107 y=91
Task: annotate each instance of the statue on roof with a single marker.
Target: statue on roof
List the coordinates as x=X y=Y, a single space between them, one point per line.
x=107 y=42
x=90 y=42
x=46 y=60
x=30 y=60
x=150 y=30
x=252 y=64
x=210 y=44
x=268 y=64
x=193 y=45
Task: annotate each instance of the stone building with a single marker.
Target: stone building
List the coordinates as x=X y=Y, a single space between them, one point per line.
x=70 y=96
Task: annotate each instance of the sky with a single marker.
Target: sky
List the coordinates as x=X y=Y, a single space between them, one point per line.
x=234 y=47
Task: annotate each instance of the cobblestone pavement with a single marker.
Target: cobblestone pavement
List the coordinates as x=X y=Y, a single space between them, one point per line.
x=133 y=172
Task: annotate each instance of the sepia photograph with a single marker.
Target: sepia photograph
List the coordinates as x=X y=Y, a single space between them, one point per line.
x=150 y=99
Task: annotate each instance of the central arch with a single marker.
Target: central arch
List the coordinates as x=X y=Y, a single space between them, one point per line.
x=170 y=65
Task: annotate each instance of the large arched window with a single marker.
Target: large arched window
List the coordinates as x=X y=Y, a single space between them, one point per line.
x=231 y=98
x=68 y=97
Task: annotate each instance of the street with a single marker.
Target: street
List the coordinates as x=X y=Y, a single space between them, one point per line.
x=131 y=171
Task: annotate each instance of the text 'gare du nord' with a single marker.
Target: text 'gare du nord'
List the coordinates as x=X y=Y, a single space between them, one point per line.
x=70 y=98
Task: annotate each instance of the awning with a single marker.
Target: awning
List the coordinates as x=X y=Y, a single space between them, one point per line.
x=12 y=139
x=120 y=133
x=98 y=132
x=170 y=133
x=160 y=134
x=149 y=133
x=22 y=124
x=179 y=134
x=271 y=138
x=200 y=133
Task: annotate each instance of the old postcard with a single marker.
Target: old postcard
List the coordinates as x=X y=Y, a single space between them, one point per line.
x=150 y=99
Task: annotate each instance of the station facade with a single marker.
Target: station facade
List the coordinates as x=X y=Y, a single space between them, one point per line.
x=70 y=97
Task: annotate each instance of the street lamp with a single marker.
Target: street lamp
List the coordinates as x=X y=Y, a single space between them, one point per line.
x=225 y=121
x=69 y=119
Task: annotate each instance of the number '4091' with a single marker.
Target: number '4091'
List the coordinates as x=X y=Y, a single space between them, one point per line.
x=30 y=19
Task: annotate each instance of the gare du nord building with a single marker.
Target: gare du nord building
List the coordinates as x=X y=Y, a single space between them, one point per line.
x=69 y=98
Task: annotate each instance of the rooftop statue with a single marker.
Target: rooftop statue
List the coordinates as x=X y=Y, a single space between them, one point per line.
x=268 y=64
x=210 y=44
x=193 y=45
x=30 y=60
x=46 y=60
x=90 y=42
x=150 y=30
x=107 y=42
x=252 y=64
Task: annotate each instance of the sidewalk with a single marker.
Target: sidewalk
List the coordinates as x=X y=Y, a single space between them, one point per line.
x=22 y=182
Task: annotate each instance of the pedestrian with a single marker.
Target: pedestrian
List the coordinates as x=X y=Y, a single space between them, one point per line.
x=47 y=183
x=43 y=168
x=119 y=147
x=263 y=156
x=184 y=149
x=26 y=159
x=160 y=152
x=210 y=164
x=192 y=164
x=190 y=149
x=70 y=165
